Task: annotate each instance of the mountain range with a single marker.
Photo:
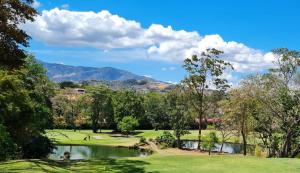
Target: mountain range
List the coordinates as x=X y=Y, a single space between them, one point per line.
x=113 y=77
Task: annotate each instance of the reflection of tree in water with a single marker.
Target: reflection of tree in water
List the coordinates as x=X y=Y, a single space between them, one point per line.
x=94 y=152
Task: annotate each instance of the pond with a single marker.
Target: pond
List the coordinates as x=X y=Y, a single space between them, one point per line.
x=232 y=148
x=94 y=152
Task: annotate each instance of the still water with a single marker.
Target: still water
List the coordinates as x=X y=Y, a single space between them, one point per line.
x=94 y=152
x=232 y=148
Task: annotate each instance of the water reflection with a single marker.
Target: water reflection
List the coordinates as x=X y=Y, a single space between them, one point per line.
x=232 y=148
x=94 y=152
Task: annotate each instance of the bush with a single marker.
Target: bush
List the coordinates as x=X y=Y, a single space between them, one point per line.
x=209 y=141
x=143 y=140
x=7 y=146
x=166 y=139
x=128 y=124
x=258 y=151
x=37 y=147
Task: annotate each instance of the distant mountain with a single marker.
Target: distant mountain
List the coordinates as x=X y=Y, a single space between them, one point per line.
x=60 y=72
x=112 y=77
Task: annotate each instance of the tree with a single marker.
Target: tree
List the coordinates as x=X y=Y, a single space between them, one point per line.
x=178 y=112
x=210 y=141
x=278 y=119
x=128 y=102
x=203 y=71
x=25 y=106
x=155 y=110
x=67 y=107
x=102 y=111
x=12 y=14
x=225 y=127
x=127 y=124
x=240 y=108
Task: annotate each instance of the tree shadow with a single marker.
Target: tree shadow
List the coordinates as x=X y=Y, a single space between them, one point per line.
x=101 y=165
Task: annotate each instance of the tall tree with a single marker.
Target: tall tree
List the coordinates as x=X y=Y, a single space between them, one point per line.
x=25 y=107
x=128 y=102
x=178 y=112
x=240 y=108
x=155 y=110
x=278 y=117
x=102 y=111
x=13 y=13
x=204 y=71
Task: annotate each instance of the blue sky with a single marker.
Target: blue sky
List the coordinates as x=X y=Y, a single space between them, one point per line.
x=245 y=30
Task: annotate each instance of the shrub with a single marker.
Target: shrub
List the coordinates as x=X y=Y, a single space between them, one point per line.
x=210 y=140
x=258 y=151
x=128 y=124
x=7 y=146
x=143 y=140
x=166 y=139
x=37 y=147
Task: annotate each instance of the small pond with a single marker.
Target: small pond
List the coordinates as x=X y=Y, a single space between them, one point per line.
x=94 y=152
x=232 y=148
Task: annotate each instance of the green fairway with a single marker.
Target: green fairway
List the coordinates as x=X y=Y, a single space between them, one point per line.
x=107 y=138
x=159 y=163
x=173 y=160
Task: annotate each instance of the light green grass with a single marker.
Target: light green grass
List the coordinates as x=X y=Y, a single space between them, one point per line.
x=107 y=138
x=160 y=164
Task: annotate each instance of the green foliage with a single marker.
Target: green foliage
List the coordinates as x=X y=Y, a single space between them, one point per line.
x=7 y=146
x=204 y=70
x=68 y=84
x=209 y=141
x=127 y=102
x=13 y=14
x=155 y=110
x=25 y=106
x=101 y=107
x=178 y=111
x=143 y=140
x=128 y=124
x=166 y=139
x=258 y=151
x=36 y=147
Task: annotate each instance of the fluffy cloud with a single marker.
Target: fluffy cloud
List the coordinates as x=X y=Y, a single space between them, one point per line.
x=36 y=4
x=106 y=31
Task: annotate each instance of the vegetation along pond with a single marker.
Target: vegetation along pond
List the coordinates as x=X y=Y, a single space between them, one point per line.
x=94 y=152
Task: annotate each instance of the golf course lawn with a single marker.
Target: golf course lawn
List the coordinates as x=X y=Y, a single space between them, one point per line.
x=160 y=163
x=169 y=160
x=106 y=138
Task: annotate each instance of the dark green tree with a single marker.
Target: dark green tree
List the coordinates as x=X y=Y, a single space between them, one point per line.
x=177 y=109
x=102 y=111
x=13 y=13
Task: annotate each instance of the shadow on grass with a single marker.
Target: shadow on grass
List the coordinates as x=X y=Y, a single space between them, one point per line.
x=102 y=165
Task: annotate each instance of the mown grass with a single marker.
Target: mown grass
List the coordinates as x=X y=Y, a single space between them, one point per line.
x=175 y=162
x=108 y=138
x=159 y=164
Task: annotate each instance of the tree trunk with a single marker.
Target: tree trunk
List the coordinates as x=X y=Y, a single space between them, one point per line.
x=200 y=130
x=221 y=149
x=209 y=151
x=244 y=142
x=178 y=142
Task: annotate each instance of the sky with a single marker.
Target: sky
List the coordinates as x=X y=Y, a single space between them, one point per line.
x=152 y=38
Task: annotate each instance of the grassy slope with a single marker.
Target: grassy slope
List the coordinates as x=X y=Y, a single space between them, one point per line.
x=173 y=163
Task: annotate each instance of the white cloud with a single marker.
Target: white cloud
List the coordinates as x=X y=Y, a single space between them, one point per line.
x=107 y=32
x=36 y=4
